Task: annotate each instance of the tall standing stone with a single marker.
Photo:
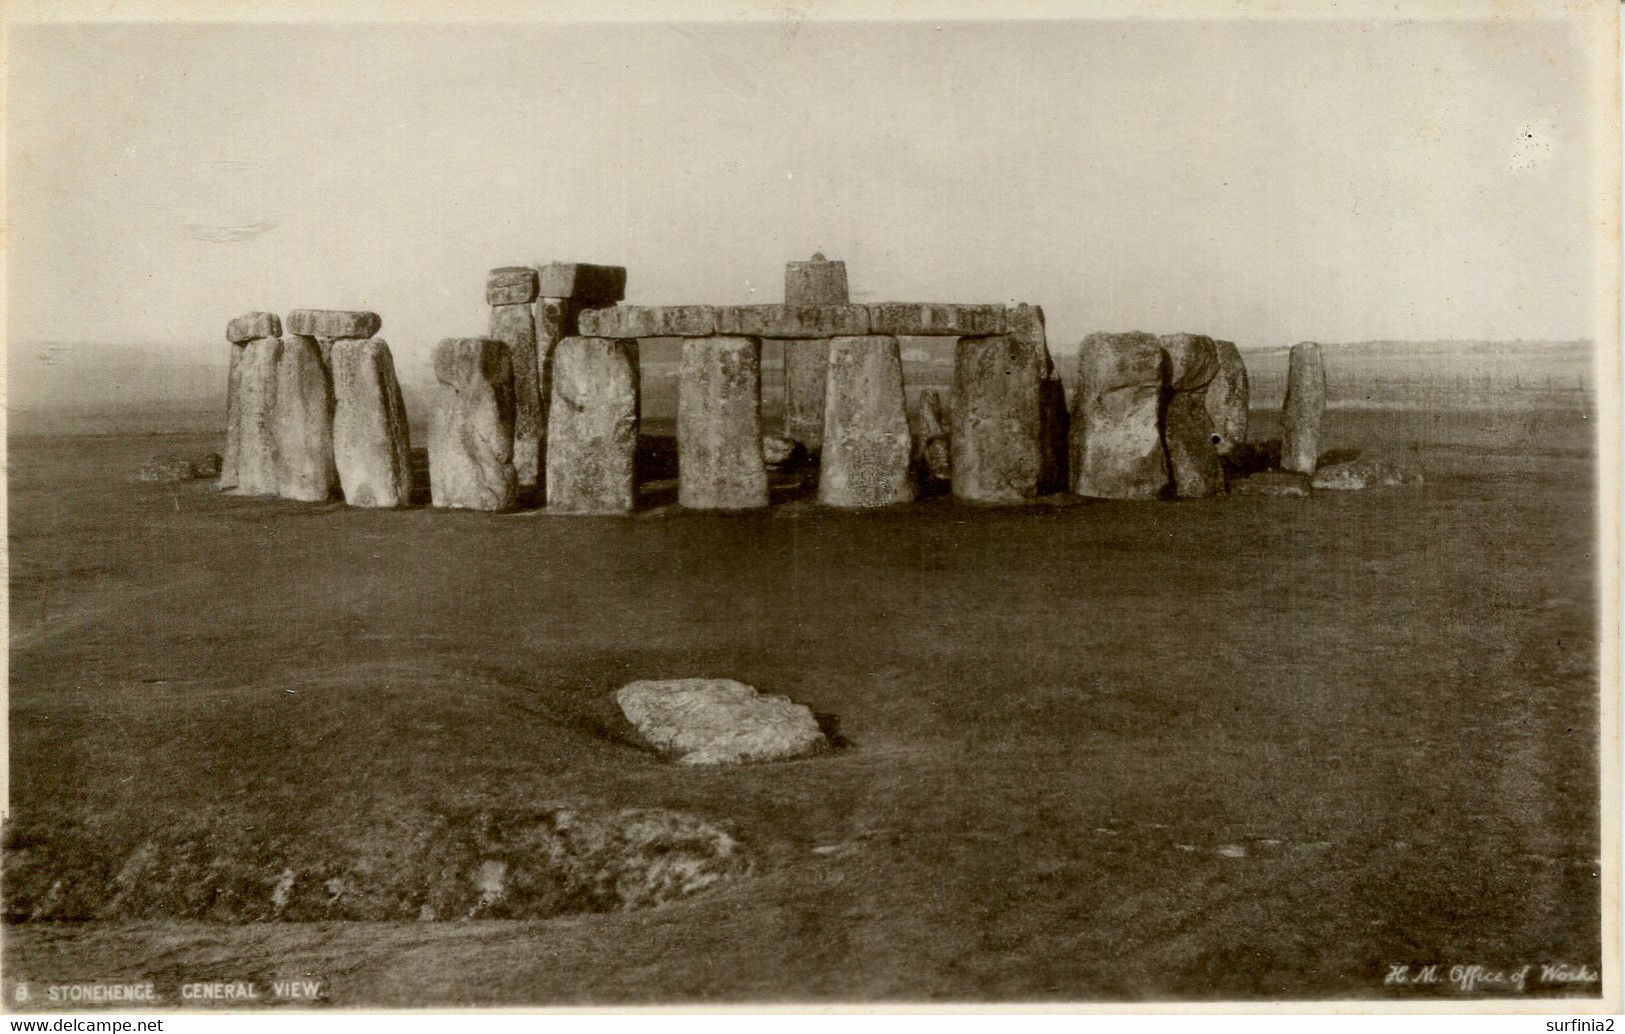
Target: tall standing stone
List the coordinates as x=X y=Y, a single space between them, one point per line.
x=1027 y=322
x=510 y=291
x=372 y=445
x=719 y=425
x=817 y=282
x=256 y=406
x=866 y=438
x=1116 y=440
x=997 y=419
x=1304 y=405
x=471 y=436
x=563 y=290
x=240 y=332
x=304 y=423
x=592 y=429
x=1187 y=431
x=1228 y=398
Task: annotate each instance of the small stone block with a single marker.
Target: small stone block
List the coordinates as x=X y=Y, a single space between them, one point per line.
x=333 y=324
x=511 y=285
x=253 y=326
x=582 y=282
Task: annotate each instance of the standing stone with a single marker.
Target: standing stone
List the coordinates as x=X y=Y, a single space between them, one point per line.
x=304 y=423
x=471 y=435
x=806 y=360
x=997 y=419
x=592 y=429
x=510 y=291
x=936 y=448
x=1116 y=444
x=1187 y=432
x=866 y=439
x=1228 y=397
x=256 y=404
x=1301 y=412
x=372 y=445
x=1027 y=322
x=240 y=332
x=563 y=291
x=719 y=425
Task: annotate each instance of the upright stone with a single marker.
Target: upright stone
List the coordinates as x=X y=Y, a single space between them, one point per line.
x=806 y=360
x=592 y=431
x=510 y=291
x=866 y=438
x=372 y=445
x=936 y=445
x=240 y=332
x=563 y=290
x=471 y=436
x=304 y=423
x=1116 y=444
x=1027 y=322
x=1187 y=431
x=1228 y=397
x=997 y=419
x=1301 y=412
x=256 y=403
x=719 y=425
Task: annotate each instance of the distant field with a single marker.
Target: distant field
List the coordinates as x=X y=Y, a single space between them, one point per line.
x=1243 y=747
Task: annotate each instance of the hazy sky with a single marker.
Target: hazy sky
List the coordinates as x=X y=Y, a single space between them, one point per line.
x=1262 y=182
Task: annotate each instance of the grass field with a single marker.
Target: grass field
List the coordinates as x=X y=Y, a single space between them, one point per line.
x=1244 y=747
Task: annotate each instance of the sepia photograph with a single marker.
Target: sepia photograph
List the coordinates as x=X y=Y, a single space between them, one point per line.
x=830 y=503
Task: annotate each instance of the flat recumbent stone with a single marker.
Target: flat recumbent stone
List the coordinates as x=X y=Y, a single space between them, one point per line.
x=718 y=721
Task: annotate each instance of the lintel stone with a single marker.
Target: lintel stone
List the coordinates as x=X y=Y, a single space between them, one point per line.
x=252 y=326
x=333 y=324
x=793 y=322
x=582 y=282
x=926 y=319
x=632 y=321
x=511 y=285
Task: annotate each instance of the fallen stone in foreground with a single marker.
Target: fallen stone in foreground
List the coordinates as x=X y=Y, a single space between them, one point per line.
x=169 y=469
x=718 y=721
x=1272 y=482
x=1364 y=473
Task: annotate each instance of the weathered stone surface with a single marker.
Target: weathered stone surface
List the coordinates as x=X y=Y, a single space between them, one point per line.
x=170 y=468
x=304 y=423
x=256 y=404
x=779 y=450
x=1228 y=397
x=793 y=322
x=471 y=436
x=1272 y=482
x=1365 y=473
x=511 y=285
x=997 y=419
x=555 y=320
x=372 y=444
x=818 y=282
x=246 y=328
x=515 y=327
x=718 y=721
x=333 y=324
x=922 y=319
x=1117 y=450
x=624 y=321
x=866 y=439
x=806 y=375
x=581 y=281
x=1302 y=409
x=1027 y=324
x=1187 y=433
x=592 y=435
x=719 y=425
x=936 y=445
x=234 y=421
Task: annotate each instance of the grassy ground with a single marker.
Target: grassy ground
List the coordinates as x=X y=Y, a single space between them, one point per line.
x=1243 y=747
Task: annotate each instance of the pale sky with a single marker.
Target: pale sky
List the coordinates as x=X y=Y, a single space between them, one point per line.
x=1262 y=182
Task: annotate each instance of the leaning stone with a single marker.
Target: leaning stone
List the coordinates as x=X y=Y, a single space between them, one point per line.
x=471 y=436
x=806 y=375
x=256 y=405
x=1302 y=409
x=1364 y=473
x=592 y=435
x=1272 y=482
x=997 y=419
x=581 y=281
x=372 y=444
x=1228 y=398
x=1116 y=445
x=511 y=285
x=515 y=327
x=1188 y=435
x=793 y=322
x=866 y=439
x=304 y=423
x=244 y=329
x=623 y=321
x=719 y=425
x=333 y=324
x=818 y=282
x=933 y=319
x=936 y=446
x=718 y=721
